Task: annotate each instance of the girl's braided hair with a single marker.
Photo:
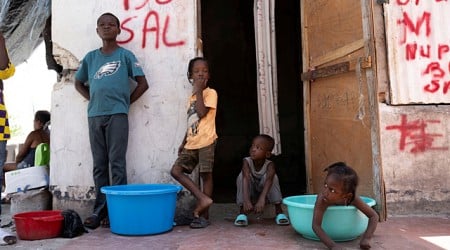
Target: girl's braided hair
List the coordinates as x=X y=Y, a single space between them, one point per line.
x=347 y=175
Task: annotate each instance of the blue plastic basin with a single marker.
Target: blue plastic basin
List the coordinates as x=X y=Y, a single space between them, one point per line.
x=341 y=223
x=141 y=209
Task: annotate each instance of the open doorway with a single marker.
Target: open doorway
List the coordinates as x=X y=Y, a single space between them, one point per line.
x=229 y=44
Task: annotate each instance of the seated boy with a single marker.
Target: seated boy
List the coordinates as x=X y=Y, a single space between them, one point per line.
x=258 y=182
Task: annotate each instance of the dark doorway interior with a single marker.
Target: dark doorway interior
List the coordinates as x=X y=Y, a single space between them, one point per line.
x=229 y=45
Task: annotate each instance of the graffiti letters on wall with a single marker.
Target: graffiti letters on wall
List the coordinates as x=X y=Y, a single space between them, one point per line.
x=417 y=136
x=155 y=28
x=418 y=51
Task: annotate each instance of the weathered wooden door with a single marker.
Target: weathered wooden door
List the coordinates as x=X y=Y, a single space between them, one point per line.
x=340 y=106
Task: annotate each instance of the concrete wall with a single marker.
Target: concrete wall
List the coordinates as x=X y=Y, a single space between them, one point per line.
x=414 y=138
x=162 y=34
x=415 y=144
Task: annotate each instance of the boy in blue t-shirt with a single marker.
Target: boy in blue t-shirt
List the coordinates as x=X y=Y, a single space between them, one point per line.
x=107 y=71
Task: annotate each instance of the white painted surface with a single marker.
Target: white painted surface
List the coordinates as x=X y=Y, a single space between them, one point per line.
x=157 y=119
x=420 y=75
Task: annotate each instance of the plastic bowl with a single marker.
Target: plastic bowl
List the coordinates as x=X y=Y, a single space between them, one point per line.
x=37 y=225
x=341 y=223
x=141 y=209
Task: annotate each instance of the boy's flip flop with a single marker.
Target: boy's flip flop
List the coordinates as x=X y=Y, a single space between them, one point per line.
x=241 y=220
x=199 y=222
x=282 y=220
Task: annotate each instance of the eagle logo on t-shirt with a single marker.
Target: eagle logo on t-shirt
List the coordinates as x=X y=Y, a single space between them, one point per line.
x=107 y=69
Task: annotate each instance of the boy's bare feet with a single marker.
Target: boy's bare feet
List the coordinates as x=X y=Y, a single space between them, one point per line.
x=202 y=205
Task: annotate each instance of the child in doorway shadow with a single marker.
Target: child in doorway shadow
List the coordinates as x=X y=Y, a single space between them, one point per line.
x=258 y=182
x=339 y=189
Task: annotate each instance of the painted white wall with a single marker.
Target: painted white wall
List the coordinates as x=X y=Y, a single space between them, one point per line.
x=157 y=119
x=416 y=178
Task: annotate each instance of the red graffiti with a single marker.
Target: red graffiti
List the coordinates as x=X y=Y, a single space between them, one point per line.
x=413 y=133
x=437 y=81
x=408 y=25
x=436 y=73
x=416 y=2
x=151 y=26
x=126 y=3
x=424 y=51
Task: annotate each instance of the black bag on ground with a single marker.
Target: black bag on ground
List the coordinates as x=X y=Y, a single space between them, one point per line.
x=73 y=226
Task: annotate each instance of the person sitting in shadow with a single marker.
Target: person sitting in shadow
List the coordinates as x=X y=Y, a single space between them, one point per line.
x=40 y=134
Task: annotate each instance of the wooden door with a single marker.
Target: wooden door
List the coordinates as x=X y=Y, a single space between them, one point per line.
x=340 y=106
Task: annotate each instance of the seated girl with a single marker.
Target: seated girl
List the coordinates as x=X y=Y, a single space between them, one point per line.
x=40 y=134
x=340 y=189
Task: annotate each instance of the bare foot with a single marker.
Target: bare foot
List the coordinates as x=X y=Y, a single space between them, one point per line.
x=202 y=205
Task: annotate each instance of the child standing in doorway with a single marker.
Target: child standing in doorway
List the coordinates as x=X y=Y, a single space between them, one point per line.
x=107 y=71
x=340 y=189
x=258 y=182
x=198 y=145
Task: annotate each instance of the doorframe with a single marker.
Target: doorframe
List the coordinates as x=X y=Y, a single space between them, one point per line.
x=373 y=26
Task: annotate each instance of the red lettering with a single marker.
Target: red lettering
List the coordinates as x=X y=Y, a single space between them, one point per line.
x=446 y=87
x=435 y=69
x=163 y=2
x=151 y=29
x=424 y=53
x=142 y=5
x=442 y=48
x=125 y=28
x=167 y=43
x=126 y=3
x=415 y=28
x=432 y=87
x=405 y=2
x=411 y=51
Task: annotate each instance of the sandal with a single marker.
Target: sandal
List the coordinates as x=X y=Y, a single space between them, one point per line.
x=199 y=222
x=282 y=220
x=241 y=220
x=7 y=238
x=92 y=222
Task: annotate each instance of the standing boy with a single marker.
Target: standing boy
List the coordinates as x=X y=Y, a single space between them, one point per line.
x=198 y=145
x=107 y=71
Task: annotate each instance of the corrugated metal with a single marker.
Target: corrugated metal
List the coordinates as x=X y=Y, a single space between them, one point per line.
x=418 y=42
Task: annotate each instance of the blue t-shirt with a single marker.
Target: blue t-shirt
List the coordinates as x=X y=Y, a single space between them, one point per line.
x=108 y=79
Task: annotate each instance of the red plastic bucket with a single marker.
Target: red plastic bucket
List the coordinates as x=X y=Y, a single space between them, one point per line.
x=37 y=225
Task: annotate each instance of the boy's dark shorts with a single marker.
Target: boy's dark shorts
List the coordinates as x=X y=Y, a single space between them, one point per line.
x=203 y=157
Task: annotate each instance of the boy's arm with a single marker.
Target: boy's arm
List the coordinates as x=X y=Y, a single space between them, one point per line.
x=248 y=206
x=200 y=107
x=373 y=221
x=142 y=86
x=82 y=89
x=267 y=185
x=319 y=210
